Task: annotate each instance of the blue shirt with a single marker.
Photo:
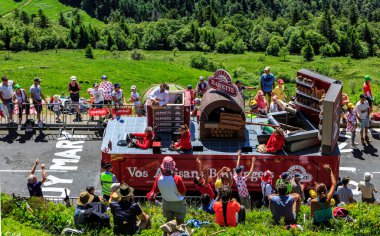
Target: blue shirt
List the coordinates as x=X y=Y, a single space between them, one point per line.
x=267 y=82
x=209 y=208
x=282 y=206
x=35 y=189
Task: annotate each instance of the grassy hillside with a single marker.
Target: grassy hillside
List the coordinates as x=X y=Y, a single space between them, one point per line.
x=51 y=8
x=56 y=67
x=9 y=5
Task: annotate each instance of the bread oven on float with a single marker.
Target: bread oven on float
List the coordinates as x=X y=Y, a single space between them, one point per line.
x=222 y=109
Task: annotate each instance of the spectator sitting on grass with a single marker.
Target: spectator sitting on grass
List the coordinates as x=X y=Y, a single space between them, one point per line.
x=91 y=191
x=227 y=209
x=125 y=212
x=34 y=186
x=284 y=205
x=367 y=189
x=207 y=204
x=345 y=194
x=240 y=180
x=320 y=207
x=224 y=178
x=202 y=184
x=297 y=187
x=141 y=140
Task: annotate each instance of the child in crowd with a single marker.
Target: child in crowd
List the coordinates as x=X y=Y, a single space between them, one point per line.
x=261 y=102
x=367 y=189
x=207 y=204
x=227 y=209
x=240 y=180
x=135 y=98
x=57 y=104
x=223 y=178
x=118 y=96
x=351 y=123
x=266 y=186
x=202 y=184
x=274 y=104
x=197 y=105
x=279 y=90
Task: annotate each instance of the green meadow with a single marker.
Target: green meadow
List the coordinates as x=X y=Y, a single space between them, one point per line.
x=9 y=5
x=56 y=67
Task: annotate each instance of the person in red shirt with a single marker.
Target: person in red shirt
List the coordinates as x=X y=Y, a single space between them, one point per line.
x=367 y=90
x=142 y=140
x=275 y=142
x=227 y=209
x=201 y=183
x=172 y=189
x=184 y=142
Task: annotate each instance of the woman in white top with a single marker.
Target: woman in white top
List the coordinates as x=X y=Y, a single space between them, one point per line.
x=135 y=98
x=20 y=98
x=118 y=96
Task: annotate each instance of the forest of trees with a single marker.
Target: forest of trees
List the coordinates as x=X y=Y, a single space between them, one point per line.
x=331 y=28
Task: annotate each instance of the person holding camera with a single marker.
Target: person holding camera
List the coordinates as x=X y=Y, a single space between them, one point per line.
x=34 y=186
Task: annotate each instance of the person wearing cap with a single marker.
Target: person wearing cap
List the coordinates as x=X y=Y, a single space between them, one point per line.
x=202 y=86
x=6 y=91
x=367 y=189
x=34 y=186
x=279 y=90
x=172 y=189
x=345 y=194
x=141 y=140
x=261 y=102
x=362 y=109
x=267 y=84
x=56 y=105
x=297 y=187
x=135 y=98
x=351 y=123
x=284 y=205
x=125 y=213
x=274 y=104
x=118 y=95
x=98 y=95
x=240 y=179
x=159 y=96
x=37 y=96
x=20 y=98
x=83 y=203
x=266 y=186
x=74 y=89
x=107 y=178
x=367 y=90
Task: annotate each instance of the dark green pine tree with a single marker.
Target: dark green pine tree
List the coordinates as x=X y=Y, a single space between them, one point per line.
x=62 y=20
x=213 y=19
x=24 y=17
x=110 y=41
x=82 y=37
x=326 y=25
x=7 y=38
x=88 y=52
x=295 y=16
x=73 y=35
x=368 y=37
x=354 y=14
x=44 y=20
x=308 y=51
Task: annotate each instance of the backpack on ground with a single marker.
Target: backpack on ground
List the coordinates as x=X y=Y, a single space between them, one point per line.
x=342 y=213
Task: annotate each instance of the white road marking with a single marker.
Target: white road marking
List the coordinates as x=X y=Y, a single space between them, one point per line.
x=346 y=150
x=375 y=172
x=350 y=169
x=342 y=145
x=344 y=135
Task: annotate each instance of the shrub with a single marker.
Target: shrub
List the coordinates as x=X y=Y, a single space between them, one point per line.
x=137 y=55
x=273 y=48
x=308 y=51
x=88 y=52
x=199 y=62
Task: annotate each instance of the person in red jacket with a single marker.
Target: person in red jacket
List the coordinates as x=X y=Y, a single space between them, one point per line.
x=275 y=142
x=184 y=142
x=142 y=140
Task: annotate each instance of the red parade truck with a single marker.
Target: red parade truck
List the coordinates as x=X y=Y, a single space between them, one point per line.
x=216 y=140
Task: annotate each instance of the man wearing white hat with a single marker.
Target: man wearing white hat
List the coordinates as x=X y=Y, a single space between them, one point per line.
x=267 y=84
x=367 y=189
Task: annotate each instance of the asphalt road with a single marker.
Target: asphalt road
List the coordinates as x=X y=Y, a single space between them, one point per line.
x=73 y=161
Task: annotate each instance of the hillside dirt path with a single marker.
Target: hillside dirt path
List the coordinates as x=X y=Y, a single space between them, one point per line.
x=24 y=4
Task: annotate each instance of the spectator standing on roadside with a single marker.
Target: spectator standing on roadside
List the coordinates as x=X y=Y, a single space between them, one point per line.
x=368 y=91
x=118 y=96
x=367 y=189
x=125 y=213
x=202 y=86
x=98 y=95
x=107 y=178
x=172 y=189
x=351 y=123
x=37 y=96
x=74 y=89
x=267 y=84
x=34 y=186
x=107 y=88
x=6 y=91
x=240 y=85
x=266 y=186
x=20 y=98
x=363 y=109
x=345 y=194
x=240 y=180
x=135 y=98
x=192 y=94
x=297 y=187
x=284 y=205
x=320 y=207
